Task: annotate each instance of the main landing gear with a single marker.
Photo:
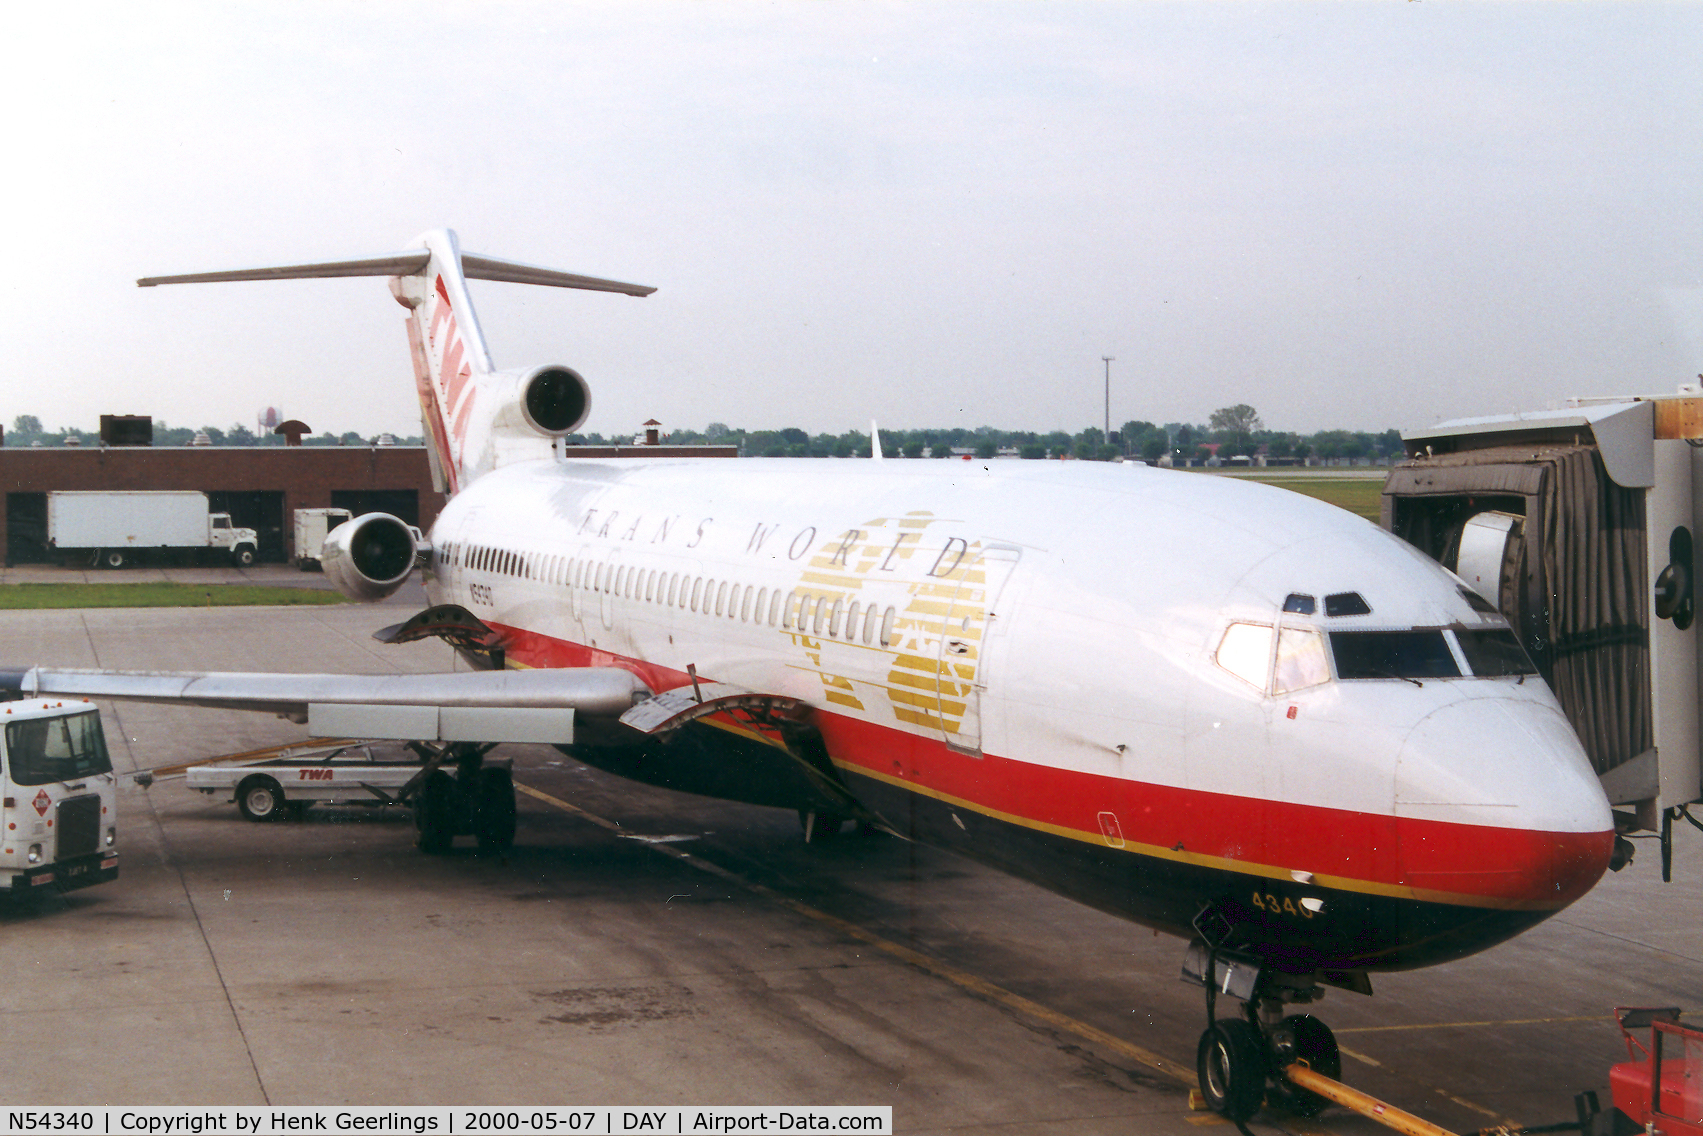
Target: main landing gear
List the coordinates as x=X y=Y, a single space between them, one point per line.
x=1240 y=1060
x=476 y=800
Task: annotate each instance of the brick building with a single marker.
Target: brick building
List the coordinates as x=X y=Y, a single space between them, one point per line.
x=260 y=487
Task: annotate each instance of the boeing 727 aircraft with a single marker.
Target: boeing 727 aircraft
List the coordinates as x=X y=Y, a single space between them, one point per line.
x=1218 y=709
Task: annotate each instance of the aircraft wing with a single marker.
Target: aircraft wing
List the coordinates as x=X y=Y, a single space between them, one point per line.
x=472 y=706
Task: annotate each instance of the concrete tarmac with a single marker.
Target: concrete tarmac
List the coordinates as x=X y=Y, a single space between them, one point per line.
x=645 y=947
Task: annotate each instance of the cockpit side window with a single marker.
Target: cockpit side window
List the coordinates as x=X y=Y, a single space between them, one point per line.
x=1301 y=660
x=1415 y=654
x=1245 y=651
x=1493 y=652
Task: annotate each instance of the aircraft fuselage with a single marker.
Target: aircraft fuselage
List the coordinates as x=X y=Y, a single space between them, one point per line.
x=1082 y=674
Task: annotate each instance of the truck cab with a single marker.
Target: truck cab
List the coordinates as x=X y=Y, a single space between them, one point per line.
x=58 y=797
x=241 y=543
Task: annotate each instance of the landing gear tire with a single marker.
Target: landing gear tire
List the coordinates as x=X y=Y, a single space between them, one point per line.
x=1316 y=1045
x=496 y=810
x=1232 y=1069
x=434 y=813
x=260 y=799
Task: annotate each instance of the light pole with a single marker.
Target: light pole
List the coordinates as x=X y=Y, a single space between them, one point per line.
x=1107 y=359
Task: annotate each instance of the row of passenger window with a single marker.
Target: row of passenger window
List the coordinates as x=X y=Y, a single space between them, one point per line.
x=806 y=612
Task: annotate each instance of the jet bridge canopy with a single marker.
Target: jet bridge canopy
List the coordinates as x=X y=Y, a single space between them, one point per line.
x=1598 y=521
x=1572 y=579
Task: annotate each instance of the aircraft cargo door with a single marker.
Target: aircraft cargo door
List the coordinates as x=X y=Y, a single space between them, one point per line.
x=965 y=635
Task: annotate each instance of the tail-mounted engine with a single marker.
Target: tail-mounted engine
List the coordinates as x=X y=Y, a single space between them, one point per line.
x=371 y=556
x=554 y=400
x=549 y=401
x=517 y=416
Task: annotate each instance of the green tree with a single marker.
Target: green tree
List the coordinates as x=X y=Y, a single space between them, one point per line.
x=1236 y=424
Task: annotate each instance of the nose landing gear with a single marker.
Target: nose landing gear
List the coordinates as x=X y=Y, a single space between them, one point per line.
x=1240 y=1059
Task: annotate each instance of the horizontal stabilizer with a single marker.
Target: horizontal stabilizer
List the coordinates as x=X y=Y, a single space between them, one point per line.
x=605 y=692
x=407 y=263
x=396 y=264
x=489 y=268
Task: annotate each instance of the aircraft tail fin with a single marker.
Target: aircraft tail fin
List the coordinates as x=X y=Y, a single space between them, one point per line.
x=452 y=365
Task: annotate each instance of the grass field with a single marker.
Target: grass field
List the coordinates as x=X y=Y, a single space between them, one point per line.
x=159 y=594
x=1358 y=495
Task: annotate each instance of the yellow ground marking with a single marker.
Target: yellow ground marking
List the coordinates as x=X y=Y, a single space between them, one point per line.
x=1469 y=1025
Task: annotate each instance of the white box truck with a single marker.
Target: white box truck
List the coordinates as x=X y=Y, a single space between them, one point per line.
x=312 y=525
x=112 y=528
x=58 y=797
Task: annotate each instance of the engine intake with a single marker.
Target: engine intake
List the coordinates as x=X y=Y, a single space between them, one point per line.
x=369 y=557
x=554 y=399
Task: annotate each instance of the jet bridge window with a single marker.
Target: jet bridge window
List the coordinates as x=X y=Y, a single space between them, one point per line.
x=1393 y=654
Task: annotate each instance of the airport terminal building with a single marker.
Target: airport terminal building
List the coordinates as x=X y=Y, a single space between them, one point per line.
x=259 y=486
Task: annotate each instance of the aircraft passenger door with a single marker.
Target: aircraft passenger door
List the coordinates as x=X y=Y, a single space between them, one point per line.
x=969 y=624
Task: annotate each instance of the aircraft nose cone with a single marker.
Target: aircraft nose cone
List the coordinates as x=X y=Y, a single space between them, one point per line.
x=1497 y=806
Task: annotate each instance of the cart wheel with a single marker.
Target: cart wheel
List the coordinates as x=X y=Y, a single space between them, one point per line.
x=1316 y=1045
x=260 y=799
x=496 y=810
x=1231 y=1065
x=434 y=814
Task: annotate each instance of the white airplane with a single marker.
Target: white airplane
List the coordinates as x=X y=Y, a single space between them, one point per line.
x=1218 y=709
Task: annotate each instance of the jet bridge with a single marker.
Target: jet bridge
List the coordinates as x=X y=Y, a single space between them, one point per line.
x=1581 y=526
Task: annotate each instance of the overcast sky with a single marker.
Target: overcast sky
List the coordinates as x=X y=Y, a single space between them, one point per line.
x=1347 y=215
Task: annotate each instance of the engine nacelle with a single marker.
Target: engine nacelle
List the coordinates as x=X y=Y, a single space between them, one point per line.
x=554 y=400
x=369 y=557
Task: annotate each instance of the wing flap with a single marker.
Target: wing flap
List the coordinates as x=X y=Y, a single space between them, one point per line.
x=549 y=725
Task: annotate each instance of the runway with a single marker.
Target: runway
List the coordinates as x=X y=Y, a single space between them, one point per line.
x=645 y=947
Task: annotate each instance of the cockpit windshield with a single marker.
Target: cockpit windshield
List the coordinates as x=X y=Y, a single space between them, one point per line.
x=42 y=750
x=1393 y=654
x=1421 y=653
